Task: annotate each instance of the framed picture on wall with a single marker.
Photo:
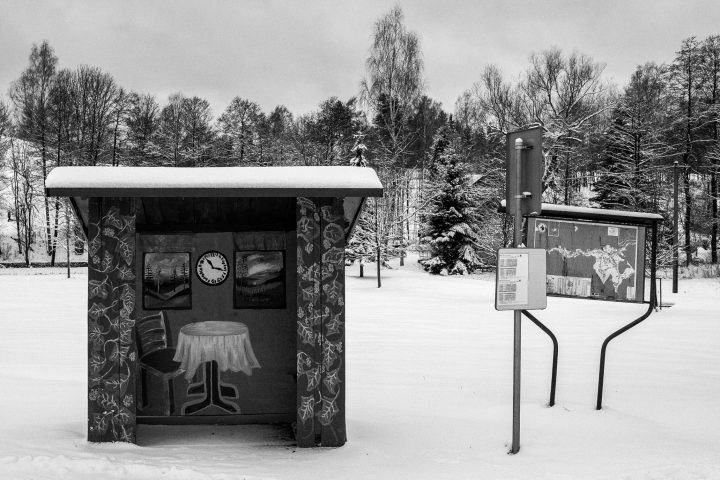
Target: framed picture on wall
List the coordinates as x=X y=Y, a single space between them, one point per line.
x=259 y=279
x=166 y=281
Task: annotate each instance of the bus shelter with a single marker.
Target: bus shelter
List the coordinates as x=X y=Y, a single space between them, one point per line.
x=216 y=295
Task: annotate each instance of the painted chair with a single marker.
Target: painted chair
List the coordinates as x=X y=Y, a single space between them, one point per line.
x=156 y=357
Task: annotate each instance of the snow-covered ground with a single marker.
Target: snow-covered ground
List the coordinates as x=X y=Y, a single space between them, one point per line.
x=429 y=382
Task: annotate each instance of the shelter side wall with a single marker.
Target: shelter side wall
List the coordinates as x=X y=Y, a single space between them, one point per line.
x=320 y=322
x=112 y=355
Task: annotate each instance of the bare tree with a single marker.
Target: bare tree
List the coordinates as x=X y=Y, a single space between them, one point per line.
x=142 y=123
x=565 y=95
x=171 y=133
x=686 y=79
x=24 y=186
x=5 y=126
x=391 y=91
x=239 y=126
x=394 y=83
x=198 y=133
x=711 y=66
x=120 y=105
x=93 y=96
x=30 y=96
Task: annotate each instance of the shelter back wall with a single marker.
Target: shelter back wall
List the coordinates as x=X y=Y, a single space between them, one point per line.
x=272 y=388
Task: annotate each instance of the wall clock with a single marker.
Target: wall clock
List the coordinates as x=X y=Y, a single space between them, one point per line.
x=212 y=268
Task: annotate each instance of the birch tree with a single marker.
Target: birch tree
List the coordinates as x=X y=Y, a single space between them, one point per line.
x=24 y=185
x=30 y=96
x=391 y=91
x=394 y=84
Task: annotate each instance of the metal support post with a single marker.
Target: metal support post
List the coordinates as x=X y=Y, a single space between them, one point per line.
x=517 y=241
x=651 y=306
x=553 y=377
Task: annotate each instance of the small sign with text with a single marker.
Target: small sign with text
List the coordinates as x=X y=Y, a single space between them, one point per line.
x=520 y=280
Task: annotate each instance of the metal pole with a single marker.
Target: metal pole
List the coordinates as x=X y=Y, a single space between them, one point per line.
x=377 y=242
x=675 y=228
x=651 y=306
x=553 y=376
x=517 y=241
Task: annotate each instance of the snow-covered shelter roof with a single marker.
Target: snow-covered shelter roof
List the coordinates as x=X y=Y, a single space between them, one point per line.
x=600 y=214
x=214 y=182
x=81 y=183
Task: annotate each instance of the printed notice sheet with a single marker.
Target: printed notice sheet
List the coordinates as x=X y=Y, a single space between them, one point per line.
x=513 y=275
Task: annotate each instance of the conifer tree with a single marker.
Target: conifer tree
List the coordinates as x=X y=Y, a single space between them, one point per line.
x=452 y=223
x=360 y=247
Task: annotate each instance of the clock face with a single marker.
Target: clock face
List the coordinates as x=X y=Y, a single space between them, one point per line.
x=212 y=268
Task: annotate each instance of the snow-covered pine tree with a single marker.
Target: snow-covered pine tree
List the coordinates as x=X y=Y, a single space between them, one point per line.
x=360 y=247
x=451 y=224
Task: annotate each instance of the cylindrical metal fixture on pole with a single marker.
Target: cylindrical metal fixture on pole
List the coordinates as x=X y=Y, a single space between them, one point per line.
x=675 y=228
x=517 y=241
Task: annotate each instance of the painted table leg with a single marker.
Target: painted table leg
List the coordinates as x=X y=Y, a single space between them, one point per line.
x=216 y=392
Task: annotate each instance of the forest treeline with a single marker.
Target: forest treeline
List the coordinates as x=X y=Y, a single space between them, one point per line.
x=442 y=166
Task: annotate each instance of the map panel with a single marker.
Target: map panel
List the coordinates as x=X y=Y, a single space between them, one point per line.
x=591 y=260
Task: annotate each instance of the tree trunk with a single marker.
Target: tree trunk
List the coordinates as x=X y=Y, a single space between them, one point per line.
x=55 y=232
x=115 y=161
x=567 y=179
x=688 y=218
x=714 y=215
x=713 y=178
x=49 y=247
x=67 y=238
x=16 y=197
x=377 y=242
x=378 y=267
x=686 y=177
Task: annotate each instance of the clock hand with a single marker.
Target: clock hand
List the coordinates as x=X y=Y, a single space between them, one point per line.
x=211 y=265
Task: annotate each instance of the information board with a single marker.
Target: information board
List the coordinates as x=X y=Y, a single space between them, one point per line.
x=591 y=260
x=520 y=279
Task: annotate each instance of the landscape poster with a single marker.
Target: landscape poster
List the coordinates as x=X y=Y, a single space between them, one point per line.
x=166 y=280
x=259 y=279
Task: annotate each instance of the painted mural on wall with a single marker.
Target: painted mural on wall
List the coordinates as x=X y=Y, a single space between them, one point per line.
x=111 y=319
x=213 y=347
x=166 y=280
x=259 y=279
x=196 y=357
x=205 y=361
x=156 y=358
x=320 y=322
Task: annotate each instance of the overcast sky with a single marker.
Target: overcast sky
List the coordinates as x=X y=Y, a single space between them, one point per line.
x=298 y=53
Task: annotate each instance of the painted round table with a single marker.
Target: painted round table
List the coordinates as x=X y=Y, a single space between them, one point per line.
x=220 y=346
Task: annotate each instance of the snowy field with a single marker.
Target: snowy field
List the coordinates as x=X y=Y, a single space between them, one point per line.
x=429 y=389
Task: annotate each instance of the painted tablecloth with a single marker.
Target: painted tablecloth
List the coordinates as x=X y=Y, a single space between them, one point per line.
x=228 y=343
